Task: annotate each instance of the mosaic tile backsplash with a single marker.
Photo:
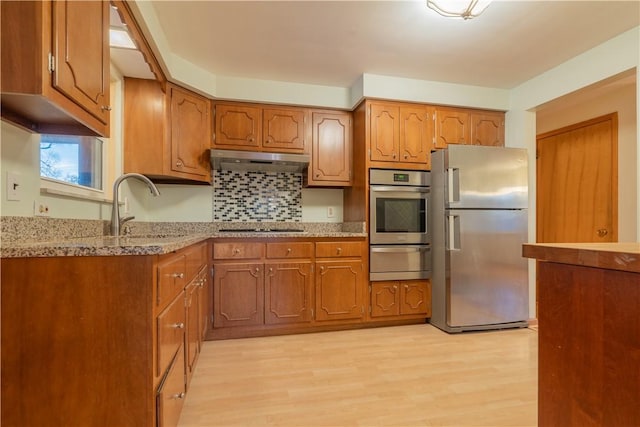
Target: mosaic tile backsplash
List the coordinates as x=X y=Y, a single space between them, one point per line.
x=257 y=196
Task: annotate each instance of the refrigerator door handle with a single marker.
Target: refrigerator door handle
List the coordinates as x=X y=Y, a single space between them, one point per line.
x=453 y=181
x=453 y=233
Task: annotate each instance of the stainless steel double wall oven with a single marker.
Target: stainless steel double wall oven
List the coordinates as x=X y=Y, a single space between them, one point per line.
x=399 y=231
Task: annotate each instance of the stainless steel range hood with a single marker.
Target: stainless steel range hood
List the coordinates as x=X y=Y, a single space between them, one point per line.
x=258 y=161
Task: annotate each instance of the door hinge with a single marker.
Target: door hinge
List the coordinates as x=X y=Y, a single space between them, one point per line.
x=362 y=309
x=52 y=63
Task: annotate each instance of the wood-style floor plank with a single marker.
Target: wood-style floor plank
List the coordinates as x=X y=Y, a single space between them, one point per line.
x=398 y=376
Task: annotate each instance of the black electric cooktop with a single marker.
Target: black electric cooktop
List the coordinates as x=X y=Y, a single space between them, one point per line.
x=261 y=230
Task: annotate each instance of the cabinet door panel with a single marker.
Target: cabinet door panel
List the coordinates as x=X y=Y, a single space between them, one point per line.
x=415 y=297
x=452 y=127
x=81 y=51
x=487 y=129
x=385 y=132
x=288 y=288
x=238 y=126
x=283 y=130
x=171 y=393
x=170 y=327
x=416 y=135
x=339 y=290
x=238 y=295
x=331 y=151
x=190 y=132
x=384 y=299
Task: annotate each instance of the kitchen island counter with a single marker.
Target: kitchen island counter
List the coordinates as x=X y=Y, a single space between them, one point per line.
x=589 y=329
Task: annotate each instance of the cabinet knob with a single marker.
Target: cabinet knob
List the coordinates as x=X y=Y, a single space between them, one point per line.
x=178 y=275
x=339 y=251
x=406 y=156
x=179 y=163
x=406 y=287
x=250 y=139
x=288 y=251
x=106 y=108
x=395 y=287
x=236 y=251
x=178 y=325
x=602 y=232
x=394 y=155
x=179 y=395
x=317 y=175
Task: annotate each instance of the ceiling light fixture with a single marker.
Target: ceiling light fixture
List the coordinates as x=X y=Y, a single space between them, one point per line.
x=465 y=9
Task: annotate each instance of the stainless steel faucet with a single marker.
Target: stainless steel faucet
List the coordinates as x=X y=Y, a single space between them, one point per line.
x=116 y=221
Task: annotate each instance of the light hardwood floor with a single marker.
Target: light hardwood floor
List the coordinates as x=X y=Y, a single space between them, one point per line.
x=398 y=376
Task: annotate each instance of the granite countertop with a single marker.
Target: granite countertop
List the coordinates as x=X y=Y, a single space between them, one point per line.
x=612 y=256
x=143 y=244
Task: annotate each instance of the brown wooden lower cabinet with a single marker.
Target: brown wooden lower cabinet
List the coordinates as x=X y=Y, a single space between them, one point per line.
x=99 y=340
x=400 y=298
x=267 y=287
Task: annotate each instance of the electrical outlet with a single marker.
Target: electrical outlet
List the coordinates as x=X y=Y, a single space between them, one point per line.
x=331 y=211
x=40 y=208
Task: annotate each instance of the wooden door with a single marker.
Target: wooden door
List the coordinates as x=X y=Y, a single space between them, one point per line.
x=487 y=128
x=415 y=297
x=339 y=290
x=416 y=135
x=81 y=52
x=283 y=130
x=331 y=149
x=385 y=297
x=190 y=132
x=452 y=127
x=577 y=181
x=238 y=294
x=288 y=288
x=238 y=127
x=385 y=132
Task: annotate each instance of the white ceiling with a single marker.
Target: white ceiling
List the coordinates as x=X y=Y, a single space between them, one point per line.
x=334 y=42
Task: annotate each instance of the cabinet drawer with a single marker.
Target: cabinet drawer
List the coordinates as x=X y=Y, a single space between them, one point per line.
x=290 y=250
x=172 y=278
x=171 y=393
x=170 y=327
x=338 y=249
x=238 y=250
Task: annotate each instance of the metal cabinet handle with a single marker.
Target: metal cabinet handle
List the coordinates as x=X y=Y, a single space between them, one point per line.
x=406 y=287
x=179 y=163
x=395 y=287
x=106 y=108
x=178 y=325
x=236 y=251
x=288 y=251
x=602 y=232
x=179 y=395
x=339 y=251
x=178 y=275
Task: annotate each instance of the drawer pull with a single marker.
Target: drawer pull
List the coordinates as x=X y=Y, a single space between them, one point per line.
x=288 y=251
x=179 y=395
x=178 y=325
x=236 y=251
x=339 y=251
x=178 y=275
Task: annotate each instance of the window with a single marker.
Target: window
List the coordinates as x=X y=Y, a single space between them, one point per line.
x=75 y=160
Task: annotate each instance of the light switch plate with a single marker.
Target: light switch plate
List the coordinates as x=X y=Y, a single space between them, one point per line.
x=14 y=189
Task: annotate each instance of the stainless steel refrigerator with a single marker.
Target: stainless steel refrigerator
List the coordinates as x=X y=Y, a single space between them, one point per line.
x=479 y=200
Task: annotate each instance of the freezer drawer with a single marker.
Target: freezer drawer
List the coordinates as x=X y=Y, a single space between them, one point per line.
x=486 y=279
x=399 y=262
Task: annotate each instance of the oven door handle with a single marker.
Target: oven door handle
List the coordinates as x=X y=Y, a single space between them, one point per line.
x=403 y=249
x=400 y=189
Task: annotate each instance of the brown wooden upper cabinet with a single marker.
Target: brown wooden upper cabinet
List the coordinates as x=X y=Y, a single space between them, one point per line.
x=401 y=134
x=487 y=128
x=462 y=126
x=451 y=127
x=55 y=66
x=331 y=149
x=257 y=128
x=167 y=133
